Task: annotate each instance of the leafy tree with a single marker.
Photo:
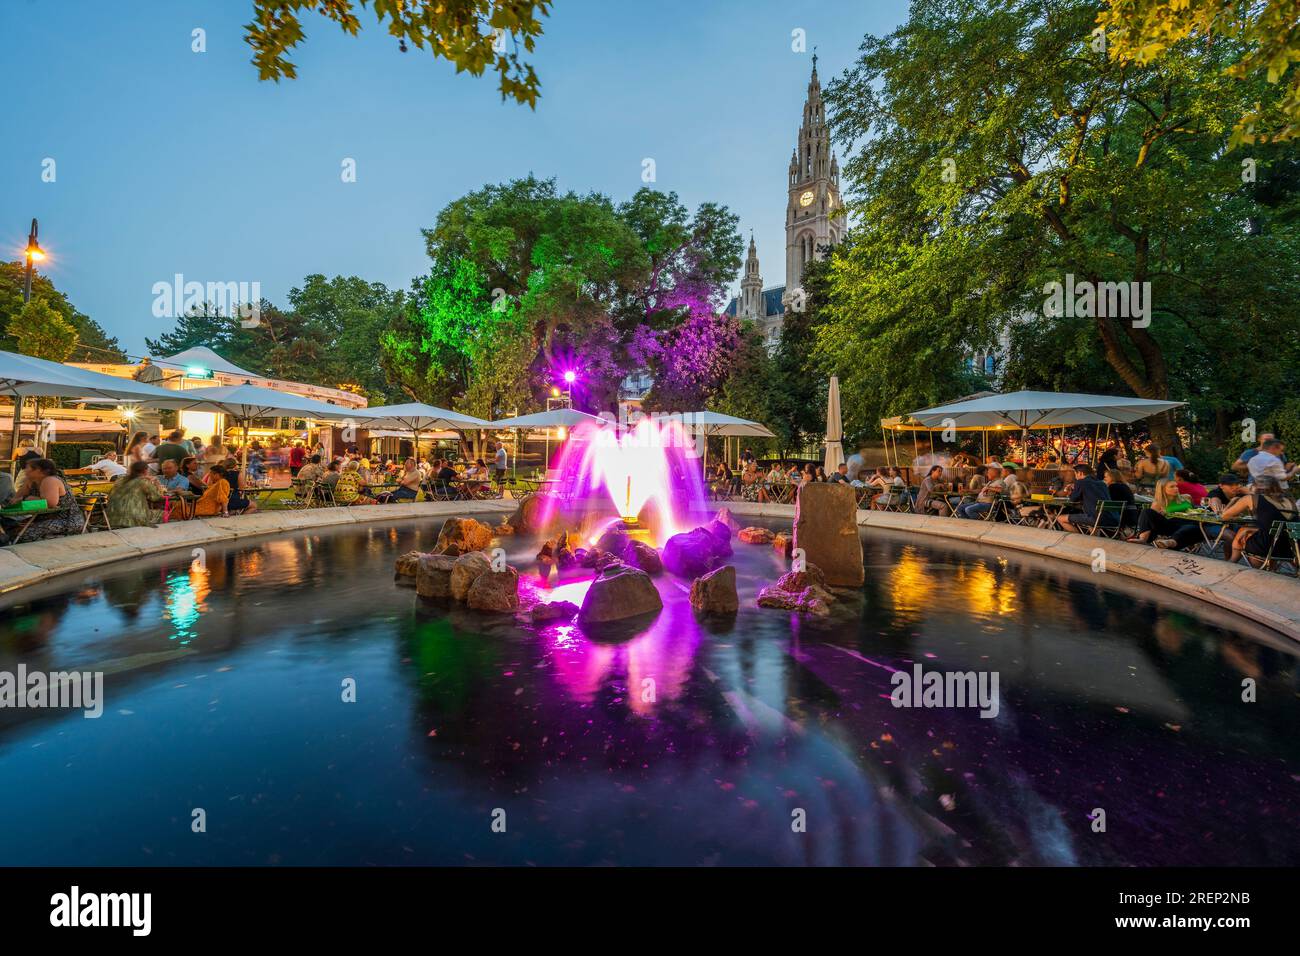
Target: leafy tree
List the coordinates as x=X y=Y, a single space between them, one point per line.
x=749 y=390
x=41 y=331
x=1043 y=157
x=93 y=343
x=203 y=325
x=1265 y=31
x=475 y=35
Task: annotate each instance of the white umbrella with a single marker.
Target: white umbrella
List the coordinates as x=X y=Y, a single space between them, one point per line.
x=708 y=423
x=417 y=417
x=1026 y=410
x=246 y=402
x=24 y=376
x=555 y=418
x=834 y=429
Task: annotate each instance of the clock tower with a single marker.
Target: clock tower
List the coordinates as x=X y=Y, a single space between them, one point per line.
x=814 y=212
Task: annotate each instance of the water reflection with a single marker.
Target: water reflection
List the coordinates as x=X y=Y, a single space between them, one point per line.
x=690 y=741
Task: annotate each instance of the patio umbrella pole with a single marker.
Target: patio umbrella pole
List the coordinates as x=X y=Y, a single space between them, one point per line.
x=13 y=445
x=1024 y=448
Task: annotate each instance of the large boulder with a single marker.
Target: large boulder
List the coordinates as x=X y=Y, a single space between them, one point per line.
x=643 y=556
x=406 y=567
x=433 y=575
x=756 y=535
x=725 y=516
x=811 y=600
x=495 y=591
x=531 y=513
x=545 y=611
x=798 y=580
x=619 y=592
x=693 y=553
x=715 y=592
x=826 y=528
x=614 y=540
x=721 y=534
x=465 y=571
x=462 y=535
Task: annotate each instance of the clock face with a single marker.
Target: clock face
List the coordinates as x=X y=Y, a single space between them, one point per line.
x=806 y=199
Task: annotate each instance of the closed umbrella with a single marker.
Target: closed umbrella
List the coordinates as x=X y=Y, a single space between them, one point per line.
x=834 y=428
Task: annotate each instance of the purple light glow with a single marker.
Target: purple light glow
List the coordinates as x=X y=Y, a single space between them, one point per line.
x=649 y=472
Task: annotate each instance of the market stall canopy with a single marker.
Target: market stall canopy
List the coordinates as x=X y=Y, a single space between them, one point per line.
x=716 y=423
x=1024 y=410
x=555 y=418
x=417 y=417
x=23 y=376
x=201 y=357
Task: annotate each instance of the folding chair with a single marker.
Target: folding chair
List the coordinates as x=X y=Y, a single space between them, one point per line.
x=303 y=492
x=1280 y=530
x=1100 y=528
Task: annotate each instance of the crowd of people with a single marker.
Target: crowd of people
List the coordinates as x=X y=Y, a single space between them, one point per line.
x=1141 y=501
x=173 y=477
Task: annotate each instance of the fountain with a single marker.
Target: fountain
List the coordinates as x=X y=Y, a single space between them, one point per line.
x=648 y=474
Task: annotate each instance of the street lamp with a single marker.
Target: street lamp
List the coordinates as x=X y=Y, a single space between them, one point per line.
x=34 y=254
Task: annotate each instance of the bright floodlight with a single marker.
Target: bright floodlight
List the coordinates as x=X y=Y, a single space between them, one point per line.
x=569 y=377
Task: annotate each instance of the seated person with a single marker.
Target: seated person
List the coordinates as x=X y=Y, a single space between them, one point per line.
x=988 y=493
x=841 y=475
x=237 y=503
x=130 y=503
x=109 y=466
x=1159 y=520
x=170 y=477
x=216 y=496
x=894 y=489
x=1189 y=486
x=332 y=475
x=195 y=484
x=929 y=497
x=1271 y=504
x=1088 y=493
x=1229 y=489
x=62 y=515
x=1151 y=468
x=350 y=489
x=312 y=471
x=1120 y=491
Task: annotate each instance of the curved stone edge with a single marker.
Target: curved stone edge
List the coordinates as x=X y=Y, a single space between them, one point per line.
x=1261 y=596
x=24 y=564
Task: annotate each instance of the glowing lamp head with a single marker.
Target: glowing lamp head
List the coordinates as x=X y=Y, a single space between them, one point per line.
x=562 y=432
x=570 y=377
x=555 y=391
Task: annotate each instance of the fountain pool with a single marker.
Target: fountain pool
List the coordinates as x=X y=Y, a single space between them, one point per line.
x=223 y=693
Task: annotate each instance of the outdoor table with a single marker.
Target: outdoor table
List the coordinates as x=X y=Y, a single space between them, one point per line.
x=469 y=488
x=1053 y=507
x=1207 y=519
x=22 y=517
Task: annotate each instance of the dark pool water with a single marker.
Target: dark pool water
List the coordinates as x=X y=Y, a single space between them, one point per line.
x=224 y=692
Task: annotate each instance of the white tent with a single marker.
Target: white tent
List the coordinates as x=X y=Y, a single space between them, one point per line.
x=201 y=357
x=23 y=376
x=834 y=428
x=1025 y=410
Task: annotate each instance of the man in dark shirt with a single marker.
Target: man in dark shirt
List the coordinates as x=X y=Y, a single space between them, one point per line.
x=172 y=450
x=1088 y=494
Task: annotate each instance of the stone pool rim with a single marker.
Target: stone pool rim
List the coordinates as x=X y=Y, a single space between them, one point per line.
x=1264 y=597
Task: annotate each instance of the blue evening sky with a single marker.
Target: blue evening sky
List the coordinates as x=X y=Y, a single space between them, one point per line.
x=170 y=161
